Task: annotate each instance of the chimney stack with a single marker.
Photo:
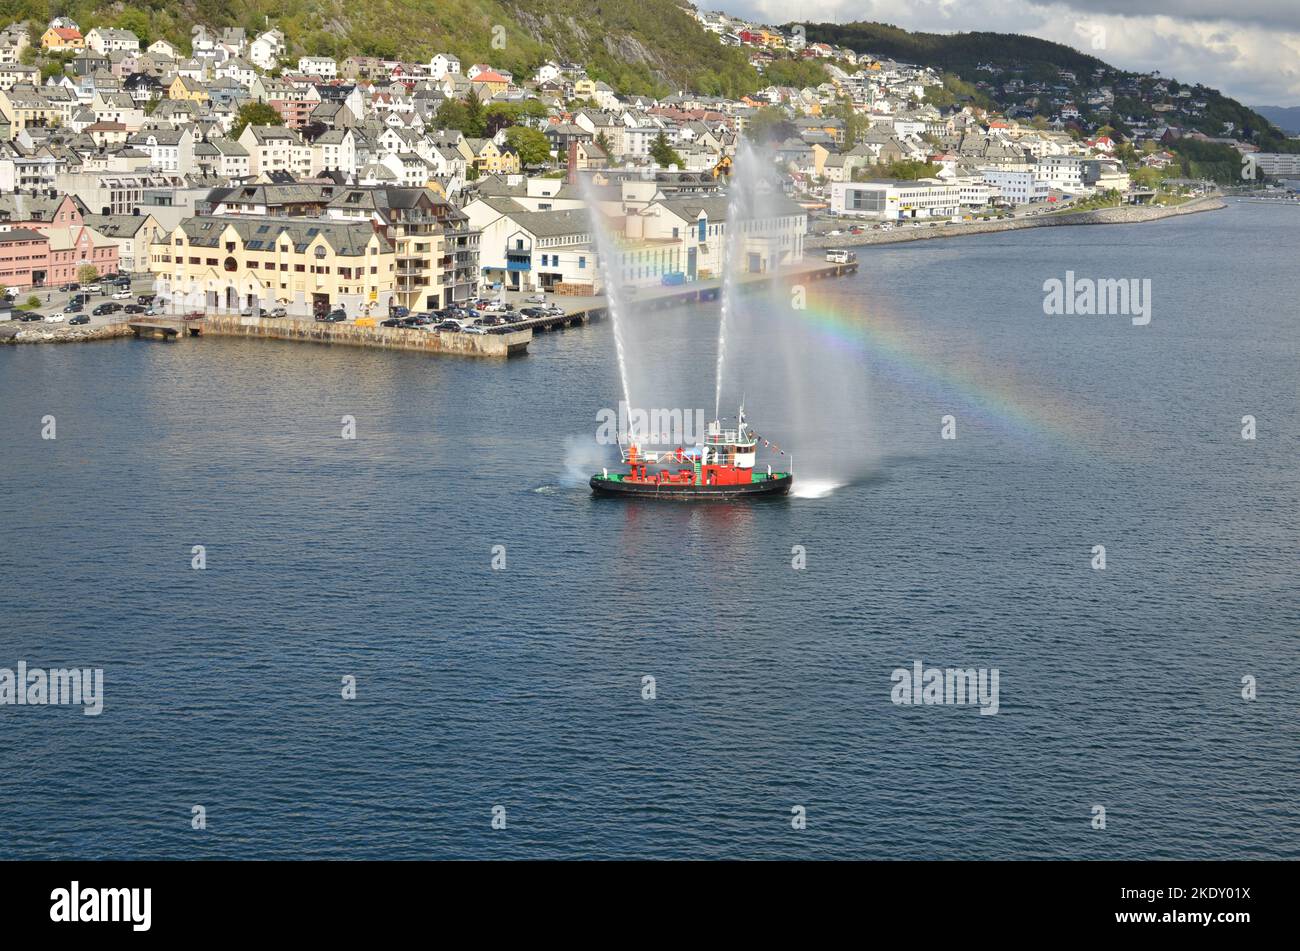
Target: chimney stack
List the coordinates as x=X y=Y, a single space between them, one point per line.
x=573 y=162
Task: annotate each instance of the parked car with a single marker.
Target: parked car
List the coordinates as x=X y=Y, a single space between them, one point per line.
x=392 y=322
x=28 y=316
x=68 y=288
x=74 y=308
x=55 y=318
x=106 y=308
x=512 y=318
x=474 y=329
x=94 y=289
x=535 y=299
x=400 y=312
x=133 y=309
x=534 y=312
x=79 y=319
x=336 y=316
x=492 y=320
x=279 y=312
x=146 y=298
x=122 y=295
x=450 y=326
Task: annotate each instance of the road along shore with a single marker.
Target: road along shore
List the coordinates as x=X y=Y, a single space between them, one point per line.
x=1127 y=214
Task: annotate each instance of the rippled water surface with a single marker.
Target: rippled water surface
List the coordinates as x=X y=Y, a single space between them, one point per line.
x=522 y=688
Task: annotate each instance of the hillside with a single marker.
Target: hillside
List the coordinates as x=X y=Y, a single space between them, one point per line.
x=969 y=56
x=1286 y=118
x=651 y=46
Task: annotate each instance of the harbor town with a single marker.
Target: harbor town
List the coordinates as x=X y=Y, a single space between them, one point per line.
x=373 y=196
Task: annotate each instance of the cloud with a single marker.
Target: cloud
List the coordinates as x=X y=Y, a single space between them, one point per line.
x=1249 y=49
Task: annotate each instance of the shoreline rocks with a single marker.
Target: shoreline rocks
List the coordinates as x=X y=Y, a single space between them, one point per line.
x=15 y=332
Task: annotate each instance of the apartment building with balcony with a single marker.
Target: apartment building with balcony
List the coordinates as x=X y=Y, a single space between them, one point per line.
x=306 y=265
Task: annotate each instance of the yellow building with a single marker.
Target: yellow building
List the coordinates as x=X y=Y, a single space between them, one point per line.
x=584 y=88
x=24 y=106
x=59 y=39
x=306 y=265
x=489 y=159
x=188 y=89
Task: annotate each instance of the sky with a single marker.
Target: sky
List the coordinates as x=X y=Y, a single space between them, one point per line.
x=1247 y=49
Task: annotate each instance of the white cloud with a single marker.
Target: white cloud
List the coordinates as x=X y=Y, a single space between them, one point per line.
x=1249 y=49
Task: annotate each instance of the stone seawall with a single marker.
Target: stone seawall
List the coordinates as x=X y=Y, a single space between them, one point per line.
x=392 y=338
x=15 y=332
x=1128 y=214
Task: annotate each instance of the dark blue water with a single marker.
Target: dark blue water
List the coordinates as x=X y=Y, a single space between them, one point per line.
x=522 y=688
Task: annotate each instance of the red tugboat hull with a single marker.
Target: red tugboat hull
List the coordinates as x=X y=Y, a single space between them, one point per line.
x=774 y=486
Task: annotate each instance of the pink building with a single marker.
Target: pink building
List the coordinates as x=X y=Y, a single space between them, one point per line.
x=63 y=245
x=24 y=258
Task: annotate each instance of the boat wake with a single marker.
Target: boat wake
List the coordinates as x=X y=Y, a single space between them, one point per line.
x=814 y=488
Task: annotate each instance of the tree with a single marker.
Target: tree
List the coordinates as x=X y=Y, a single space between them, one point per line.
x=768 y=125
x=664 y=154
x=87 y=274
x=910 y=170
x=137 y=21
x=855 y=123
x=533 y=147
x=603 y=143
x=255 y=113
x=475 y=121
x=465 y=117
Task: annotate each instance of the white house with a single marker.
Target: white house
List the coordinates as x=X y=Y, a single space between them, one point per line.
x=322 y=66
x=276 y=149
x=443 y=65
x=266 y=50
x=105 y=40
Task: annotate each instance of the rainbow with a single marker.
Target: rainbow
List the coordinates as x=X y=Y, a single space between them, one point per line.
x=962 y=385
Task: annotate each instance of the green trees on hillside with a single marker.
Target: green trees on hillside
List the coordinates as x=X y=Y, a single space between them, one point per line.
x=254 y=113
x=533 y=147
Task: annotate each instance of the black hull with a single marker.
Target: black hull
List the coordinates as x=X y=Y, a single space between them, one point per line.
x=775 y=487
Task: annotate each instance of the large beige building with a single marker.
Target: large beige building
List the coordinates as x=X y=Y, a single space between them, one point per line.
x=305 y=265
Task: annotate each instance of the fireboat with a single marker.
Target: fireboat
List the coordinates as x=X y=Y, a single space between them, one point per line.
x=721 y=467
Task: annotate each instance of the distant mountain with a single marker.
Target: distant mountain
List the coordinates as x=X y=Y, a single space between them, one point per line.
x=989 y=60
x=1286 y=118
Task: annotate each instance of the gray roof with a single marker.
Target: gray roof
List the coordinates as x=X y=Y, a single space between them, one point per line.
x=259 y=233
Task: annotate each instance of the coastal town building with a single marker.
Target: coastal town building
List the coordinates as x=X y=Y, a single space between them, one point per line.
x=151 y=142
x=897 y=200
x=307 y=266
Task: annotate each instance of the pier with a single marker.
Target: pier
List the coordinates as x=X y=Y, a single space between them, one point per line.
x=506 y=340
x=589 y=309
x=156 y=329
x=509 y=344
